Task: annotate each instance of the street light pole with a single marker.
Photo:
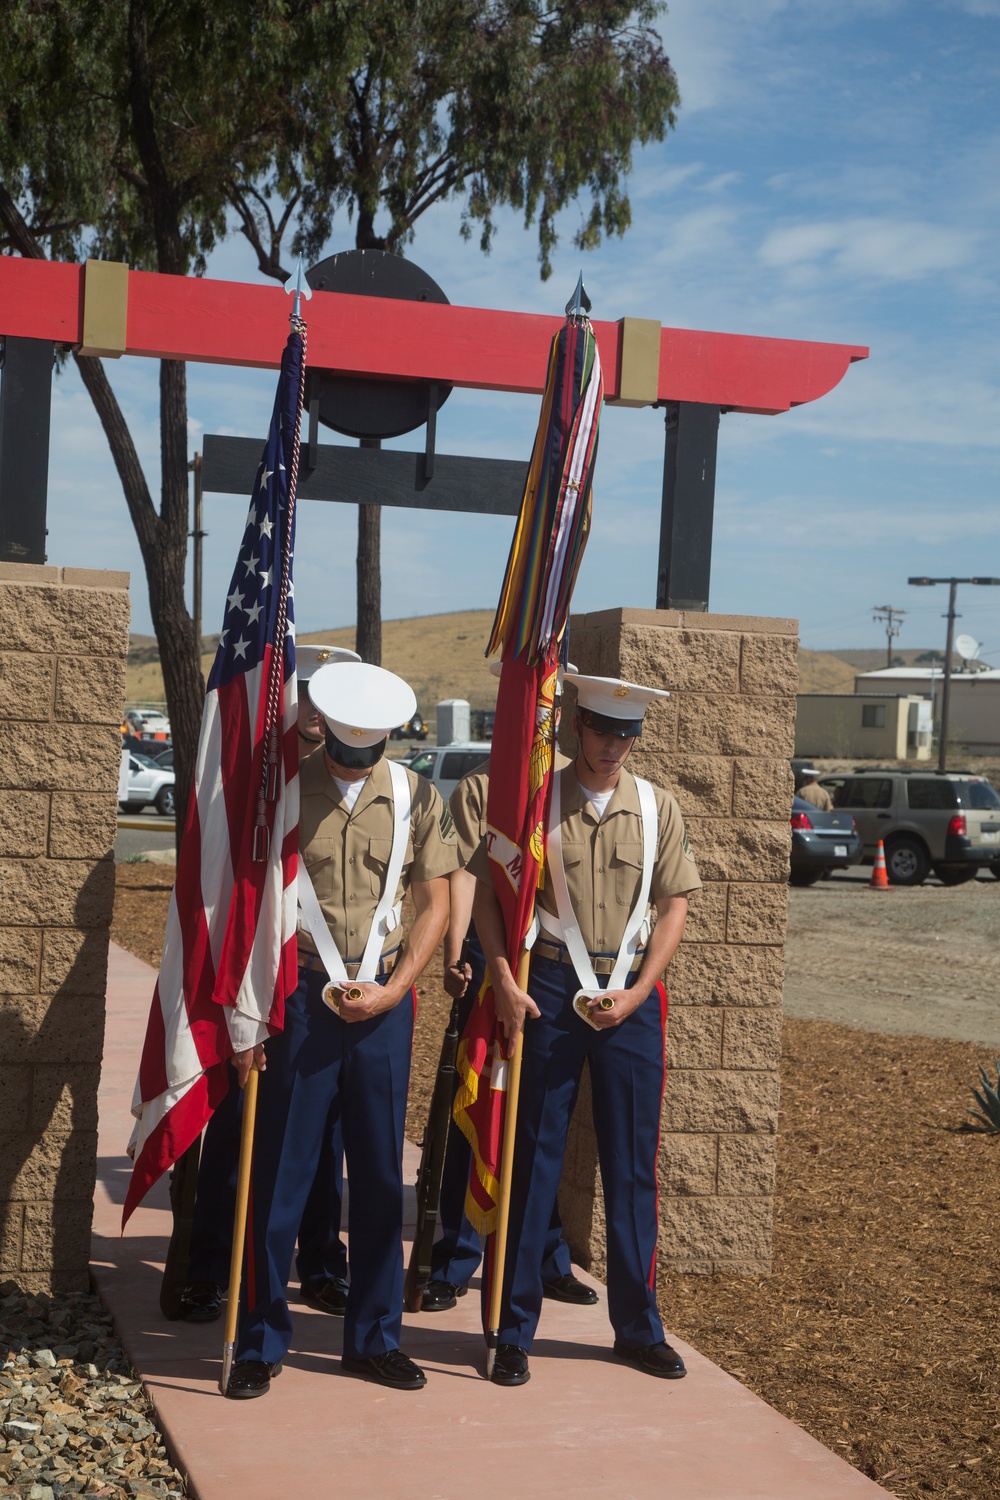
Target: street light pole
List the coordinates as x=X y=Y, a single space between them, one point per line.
x=946 y=684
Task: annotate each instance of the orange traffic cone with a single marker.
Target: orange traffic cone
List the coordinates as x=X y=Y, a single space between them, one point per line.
x=880 y=878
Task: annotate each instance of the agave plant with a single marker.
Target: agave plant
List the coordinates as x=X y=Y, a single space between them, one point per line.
x=986 y=1116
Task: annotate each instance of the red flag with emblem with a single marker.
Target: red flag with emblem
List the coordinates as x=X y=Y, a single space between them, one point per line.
x=529 y=627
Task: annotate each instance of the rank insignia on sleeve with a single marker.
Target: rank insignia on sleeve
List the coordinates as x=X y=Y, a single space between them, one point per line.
x=446 y=823
x=686 y=845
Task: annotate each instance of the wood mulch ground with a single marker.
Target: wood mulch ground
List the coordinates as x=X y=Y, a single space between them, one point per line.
x=878 y=1330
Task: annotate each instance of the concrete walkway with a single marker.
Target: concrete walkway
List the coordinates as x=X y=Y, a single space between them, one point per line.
x=585 y=1426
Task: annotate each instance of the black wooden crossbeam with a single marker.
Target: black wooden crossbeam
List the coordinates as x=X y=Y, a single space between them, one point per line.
x=367 y=476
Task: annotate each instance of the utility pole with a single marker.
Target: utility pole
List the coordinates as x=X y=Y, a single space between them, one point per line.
x=892 y=619
x=946 y=685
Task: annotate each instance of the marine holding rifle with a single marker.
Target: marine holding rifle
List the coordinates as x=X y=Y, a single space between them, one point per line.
x=369 y=830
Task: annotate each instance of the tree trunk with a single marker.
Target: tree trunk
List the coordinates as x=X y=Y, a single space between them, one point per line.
x=180 y=652
x=163 y=544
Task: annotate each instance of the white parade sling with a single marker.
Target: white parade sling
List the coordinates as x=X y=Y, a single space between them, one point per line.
x=387 y=913
x=565 y=926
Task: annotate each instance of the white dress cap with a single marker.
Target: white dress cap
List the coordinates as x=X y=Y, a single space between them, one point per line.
x=309 y=658
x=361 y=703
x=614 y=699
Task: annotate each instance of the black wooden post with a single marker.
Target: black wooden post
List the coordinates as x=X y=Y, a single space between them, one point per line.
x=25 y=405
x=688 y=505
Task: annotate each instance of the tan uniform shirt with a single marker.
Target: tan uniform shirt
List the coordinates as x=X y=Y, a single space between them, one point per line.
x=603 y=859
x=467 y=805
x=347 y=852
x=817 y=795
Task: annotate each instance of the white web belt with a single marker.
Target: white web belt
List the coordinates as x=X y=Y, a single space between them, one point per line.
x=565 y=926
x=387 y=912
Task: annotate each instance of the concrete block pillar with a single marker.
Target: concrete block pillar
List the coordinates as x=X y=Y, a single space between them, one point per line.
x=63 y=649
x=721 y=745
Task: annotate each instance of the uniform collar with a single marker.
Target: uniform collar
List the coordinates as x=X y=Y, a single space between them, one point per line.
x=625 y=797
x=315 y=778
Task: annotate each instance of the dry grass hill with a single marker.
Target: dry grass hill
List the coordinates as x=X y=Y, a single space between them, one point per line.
x=442 y=656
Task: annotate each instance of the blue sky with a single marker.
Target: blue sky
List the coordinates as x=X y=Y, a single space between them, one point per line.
x=834 y=175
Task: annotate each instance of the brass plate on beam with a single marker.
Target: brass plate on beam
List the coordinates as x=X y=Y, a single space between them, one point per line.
x=105 y=308
x=639 y=363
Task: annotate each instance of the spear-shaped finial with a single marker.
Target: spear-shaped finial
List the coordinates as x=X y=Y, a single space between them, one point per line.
x=579 y=304
x=300 y=287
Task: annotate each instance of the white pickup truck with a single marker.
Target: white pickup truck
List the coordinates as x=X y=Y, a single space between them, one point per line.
x=445 y=765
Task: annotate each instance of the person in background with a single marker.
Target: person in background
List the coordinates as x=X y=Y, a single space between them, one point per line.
x=811 y=791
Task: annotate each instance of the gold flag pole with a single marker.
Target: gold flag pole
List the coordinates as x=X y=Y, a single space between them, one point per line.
x=239 y=1224
x=506 y=1172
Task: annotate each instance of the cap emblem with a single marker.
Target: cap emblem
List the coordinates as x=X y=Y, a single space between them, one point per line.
x=359 y=734
x=323 y=655
x=622 y=692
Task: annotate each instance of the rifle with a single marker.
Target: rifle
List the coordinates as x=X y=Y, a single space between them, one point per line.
x=183 y=1185
x=431 y=1167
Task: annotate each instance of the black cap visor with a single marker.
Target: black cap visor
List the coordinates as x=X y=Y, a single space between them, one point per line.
x=626 y=729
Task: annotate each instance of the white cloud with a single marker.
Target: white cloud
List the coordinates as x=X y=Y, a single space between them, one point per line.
x=890 y=249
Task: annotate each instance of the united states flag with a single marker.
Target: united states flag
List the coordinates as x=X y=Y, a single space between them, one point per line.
x=230 y=938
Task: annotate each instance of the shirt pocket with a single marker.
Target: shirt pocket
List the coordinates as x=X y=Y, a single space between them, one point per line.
x=376 y=862
x=321 y=871
x=626 y=862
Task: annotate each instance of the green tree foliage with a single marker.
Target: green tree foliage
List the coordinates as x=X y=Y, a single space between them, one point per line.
x=146 y=130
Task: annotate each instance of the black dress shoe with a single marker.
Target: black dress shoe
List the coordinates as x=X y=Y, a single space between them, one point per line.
x=440 y=1295
x=328 y=1296
x=392 y=1368
x=569 y=1288
x=249 y=1378
x=510 y=1366
x=201 y=1302
x=655 y=1359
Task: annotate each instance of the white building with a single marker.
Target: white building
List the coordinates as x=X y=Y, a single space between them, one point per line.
x=974 y=706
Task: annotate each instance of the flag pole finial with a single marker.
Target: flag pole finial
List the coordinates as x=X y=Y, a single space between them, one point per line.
x=300 y=287
x=579 y=304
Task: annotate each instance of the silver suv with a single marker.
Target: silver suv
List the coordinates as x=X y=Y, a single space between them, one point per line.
x=946 y=821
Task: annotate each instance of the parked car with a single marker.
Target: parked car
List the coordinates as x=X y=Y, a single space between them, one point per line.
x=152 y=749
x=821 y=842
x=481 y=721
x=413 y=729
x=165 y=758
x=148 y=783
x=445 y=765
x=946 y=821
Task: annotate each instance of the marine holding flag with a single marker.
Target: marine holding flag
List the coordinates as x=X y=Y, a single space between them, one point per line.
x=598 y=848
x=371 y=830
x=229 y=948
x=615 y=847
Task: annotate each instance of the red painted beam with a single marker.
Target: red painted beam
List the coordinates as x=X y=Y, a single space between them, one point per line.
x=240 y=323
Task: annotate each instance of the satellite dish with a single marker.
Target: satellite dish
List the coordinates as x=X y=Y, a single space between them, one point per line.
x=967 y=647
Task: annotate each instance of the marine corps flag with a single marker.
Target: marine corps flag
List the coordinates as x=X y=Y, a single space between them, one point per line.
x=529 y=627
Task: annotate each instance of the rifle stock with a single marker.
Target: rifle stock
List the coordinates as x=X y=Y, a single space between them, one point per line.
x=431 y=1167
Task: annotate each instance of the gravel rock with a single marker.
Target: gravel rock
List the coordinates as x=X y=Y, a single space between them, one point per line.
x=73 y=1418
